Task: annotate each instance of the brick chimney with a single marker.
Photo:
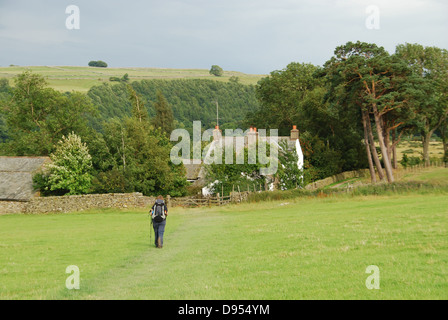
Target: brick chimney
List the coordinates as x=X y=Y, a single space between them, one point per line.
x=251 y=137
x=294 y=133
x=217 y=134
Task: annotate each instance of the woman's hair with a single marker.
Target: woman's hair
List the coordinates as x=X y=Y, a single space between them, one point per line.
x=160 y=198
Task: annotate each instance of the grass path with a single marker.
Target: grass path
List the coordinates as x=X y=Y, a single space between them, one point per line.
x=304 y=249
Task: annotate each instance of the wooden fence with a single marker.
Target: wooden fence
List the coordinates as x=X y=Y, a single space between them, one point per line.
x=192 y=202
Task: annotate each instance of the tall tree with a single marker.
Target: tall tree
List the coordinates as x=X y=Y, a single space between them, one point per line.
x=370 y=75
x=37 y=116
x=428 y=90
x=281 y=96
x=164 y=118
x=138 y=107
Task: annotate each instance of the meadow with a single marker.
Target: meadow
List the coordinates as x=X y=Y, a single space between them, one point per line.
x=300 y=248
x=68 y=78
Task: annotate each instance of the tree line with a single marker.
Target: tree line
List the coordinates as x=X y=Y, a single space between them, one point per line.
x=191 y=100
x=361 y=98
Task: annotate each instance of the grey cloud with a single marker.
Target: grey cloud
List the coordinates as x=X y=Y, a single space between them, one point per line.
x=253 y=36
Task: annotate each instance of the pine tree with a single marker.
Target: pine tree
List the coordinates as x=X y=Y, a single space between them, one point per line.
x=138 y=106
x=164 y=119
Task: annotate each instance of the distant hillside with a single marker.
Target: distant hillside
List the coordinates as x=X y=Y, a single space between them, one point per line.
x=83 y=78
x=191 y=100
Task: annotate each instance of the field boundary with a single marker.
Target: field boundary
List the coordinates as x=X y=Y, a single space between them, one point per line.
x=65 y=204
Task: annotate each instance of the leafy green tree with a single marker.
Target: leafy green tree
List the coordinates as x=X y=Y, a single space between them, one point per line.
x=37 y=116
x=281 y=96
x=216 y=71
x=70 y=169
x=428 y=91
x=289 y=176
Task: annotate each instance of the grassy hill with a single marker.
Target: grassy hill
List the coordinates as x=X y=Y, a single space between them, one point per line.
x=68 y=78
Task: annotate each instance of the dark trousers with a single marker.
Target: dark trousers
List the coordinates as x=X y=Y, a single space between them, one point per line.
x=159 y=230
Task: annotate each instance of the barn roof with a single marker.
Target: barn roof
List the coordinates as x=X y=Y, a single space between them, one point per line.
x=16 y=177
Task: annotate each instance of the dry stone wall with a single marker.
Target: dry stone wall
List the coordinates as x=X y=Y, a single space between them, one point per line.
x=77 y=203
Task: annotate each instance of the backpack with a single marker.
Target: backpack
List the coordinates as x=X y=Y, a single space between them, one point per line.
x=159 y=212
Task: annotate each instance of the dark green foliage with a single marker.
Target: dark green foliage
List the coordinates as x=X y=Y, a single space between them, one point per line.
x=410 y=161
x=125 y=78
x=234 y=79
x=216 y=71
x=41 y=182
x=191 y=100
x=164 y=119
x=38 y=116
x=281 y=96
x=98 y=64
x=139 y=110
x=5 y=95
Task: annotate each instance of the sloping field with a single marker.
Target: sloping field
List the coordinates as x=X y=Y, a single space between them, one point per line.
x=68 y=78
x=306 y=248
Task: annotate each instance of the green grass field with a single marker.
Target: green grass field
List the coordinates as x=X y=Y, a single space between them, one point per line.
x=81 y=79
x=306 y=248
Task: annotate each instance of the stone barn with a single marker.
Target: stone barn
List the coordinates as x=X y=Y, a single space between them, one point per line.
x=16 y=180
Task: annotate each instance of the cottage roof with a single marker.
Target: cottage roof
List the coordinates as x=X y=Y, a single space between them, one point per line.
x=16 y=177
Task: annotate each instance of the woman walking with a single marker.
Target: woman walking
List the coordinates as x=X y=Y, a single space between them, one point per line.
x=159 y=214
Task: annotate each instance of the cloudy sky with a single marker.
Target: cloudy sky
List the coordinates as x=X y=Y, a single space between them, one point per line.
x=252 y=36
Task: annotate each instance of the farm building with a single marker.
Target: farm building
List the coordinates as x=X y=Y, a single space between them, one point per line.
x=16 y=177
x=196 y=172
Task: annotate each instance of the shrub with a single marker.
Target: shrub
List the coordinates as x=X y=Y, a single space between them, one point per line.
x=410 y=161
x=98 y=64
